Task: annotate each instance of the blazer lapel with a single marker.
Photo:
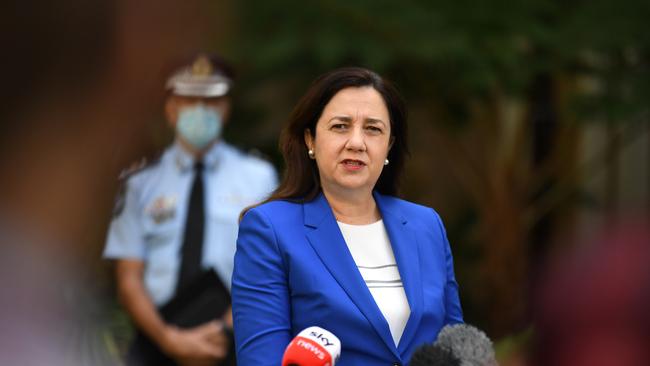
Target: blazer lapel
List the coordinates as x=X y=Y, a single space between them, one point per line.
x=405 y=246
x=327 y=240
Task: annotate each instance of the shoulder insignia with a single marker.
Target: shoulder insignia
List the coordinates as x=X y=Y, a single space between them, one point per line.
x=120 y=200
x=138 y=166
x=135 y=167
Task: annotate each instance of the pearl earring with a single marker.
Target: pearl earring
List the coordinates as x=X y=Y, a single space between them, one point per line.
x=311 y=154
x=386 y=161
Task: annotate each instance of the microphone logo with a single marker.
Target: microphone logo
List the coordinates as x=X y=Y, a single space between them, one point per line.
x=313 y=346
x=320 y=336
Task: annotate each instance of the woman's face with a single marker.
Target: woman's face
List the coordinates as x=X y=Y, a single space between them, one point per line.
x=352 y=140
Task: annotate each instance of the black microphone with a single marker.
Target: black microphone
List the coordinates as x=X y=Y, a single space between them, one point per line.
x=469 y=344
x=433 y=355
x=458 y=344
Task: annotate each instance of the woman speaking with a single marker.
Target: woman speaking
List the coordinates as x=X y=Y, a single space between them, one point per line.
x=333 y=246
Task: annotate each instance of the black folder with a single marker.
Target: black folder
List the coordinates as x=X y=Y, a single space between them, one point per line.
x=205 y=299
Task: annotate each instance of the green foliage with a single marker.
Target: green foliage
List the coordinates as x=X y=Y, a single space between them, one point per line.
x=514 y=346
x=455 y=50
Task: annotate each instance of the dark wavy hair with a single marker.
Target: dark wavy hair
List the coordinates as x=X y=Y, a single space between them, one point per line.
x=301 y=181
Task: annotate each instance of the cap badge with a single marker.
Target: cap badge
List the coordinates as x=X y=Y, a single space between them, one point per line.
x=202 y=67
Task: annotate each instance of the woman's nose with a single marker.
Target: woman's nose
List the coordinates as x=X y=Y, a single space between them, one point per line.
x=356 y=140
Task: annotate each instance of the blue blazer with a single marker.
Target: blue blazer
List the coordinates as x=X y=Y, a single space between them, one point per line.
x=293 y=270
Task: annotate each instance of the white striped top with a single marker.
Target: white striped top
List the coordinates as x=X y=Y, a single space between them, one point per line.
x=373 y=255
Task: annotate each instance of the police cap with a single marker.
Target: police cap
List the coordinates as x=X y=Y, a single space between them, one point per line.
x=205 y=77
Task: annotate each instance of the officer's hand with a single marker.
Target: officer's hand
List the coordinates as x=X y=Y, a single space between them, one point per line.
x=201 y=345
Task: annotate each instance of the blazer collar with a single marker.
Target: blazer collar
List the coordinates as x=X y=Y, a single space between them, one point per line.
x=327 y=240
x=319 y=209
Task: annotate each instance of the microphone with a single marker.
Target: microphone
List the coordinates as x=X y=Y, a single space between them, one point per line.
x=434 y=355
x=313 y=346
x=457 y=345
x=469 y=344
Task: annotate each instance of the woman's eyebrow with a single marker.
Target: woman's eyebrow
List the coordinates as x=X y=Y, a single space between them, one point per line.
x=341 y=118
x=375 y=121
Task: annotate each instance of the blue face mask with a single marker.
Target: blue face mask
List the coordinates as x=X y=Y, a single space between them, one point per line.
x=199 y=125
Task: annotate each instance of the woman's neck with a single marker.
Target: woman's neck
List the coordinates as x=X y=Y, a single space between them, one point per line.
x=354 y=209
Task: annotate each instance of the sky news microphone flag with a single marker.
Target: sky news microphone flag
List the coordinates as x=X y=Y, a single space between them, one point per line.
x=313 y=346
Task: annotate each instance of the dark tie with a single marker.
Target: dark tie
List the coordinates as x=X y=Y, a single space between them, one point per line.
x=192 y=249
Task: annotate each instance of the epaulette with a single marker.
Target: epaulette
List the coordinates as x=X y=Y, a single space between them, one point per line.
x=134 y=168
x=138 y=166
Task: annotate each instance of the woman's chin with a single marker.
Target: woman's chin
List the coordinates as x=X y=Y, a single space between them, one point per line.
x=352 y=185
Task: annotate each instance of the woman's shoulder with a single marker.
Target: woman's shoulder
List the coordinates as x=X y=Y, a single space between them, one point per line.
x=276 y=209
x=279 y=204
x=419 y=216
x=409 y=208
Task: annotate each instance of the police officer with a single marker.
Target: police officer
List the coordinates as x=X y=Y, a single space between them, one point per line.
x=178 y=218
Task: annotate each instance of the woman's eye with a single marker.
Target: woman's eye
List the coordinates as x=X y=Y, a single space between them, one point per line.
x=373 y=129
x=339 y=126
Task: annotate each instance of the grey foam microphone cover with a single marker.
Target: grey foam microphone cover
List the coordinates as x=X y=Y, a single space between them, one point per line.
x=433 y=355
x=469 y=344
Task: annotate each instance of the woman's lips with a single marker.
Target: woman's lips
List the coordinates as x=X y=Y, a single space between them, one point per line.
x=352 y=164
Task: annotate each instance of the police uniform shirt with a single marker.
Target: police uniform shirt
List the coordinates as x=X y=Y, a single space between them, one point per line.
x=151 y=223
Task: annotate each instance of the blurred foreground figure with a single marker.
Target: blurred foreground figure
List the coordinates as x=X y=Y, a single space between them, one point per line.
x=80 y=83
x=594 y=308
x=175 y=228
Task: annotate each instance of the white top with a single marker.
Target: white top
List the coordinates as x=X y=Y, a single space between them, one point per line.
x=371 y=250
x=150 y=221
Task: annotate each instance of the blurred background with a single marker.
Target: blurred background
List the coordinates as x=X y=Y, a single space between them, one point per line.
x=529 y=128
